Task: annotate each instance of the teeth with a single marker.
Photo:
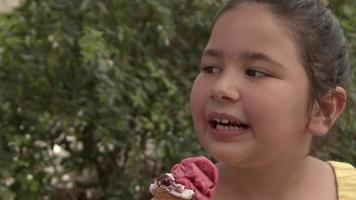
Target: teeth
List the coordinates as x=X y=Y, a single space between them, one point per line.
x=225 y=121
x=234 y=128
x=231 y=128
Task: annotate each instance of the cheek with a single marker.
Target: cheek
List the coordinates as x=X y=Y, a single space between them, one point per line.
x=198 y=98
x=281 y=109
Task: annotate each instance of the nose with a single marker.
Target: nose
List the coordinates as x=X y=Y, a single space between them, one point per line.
x=225 y=89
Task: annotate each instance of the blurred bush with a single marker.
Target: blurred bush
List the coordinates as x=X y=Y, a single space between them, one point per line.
x=341 y=145
x=94 y=95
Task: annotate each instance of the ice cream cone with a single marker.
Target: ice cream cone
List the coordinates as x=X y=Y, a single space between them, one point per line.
x=193 y=178
x=160 y=194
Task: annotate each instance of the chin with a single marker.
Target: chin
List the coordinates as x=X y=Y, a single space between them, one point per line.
x=222 y=154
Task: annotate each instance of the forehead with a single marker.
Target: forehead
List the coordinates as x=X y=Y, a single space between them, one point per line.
x=252 y=26
x=257 y=19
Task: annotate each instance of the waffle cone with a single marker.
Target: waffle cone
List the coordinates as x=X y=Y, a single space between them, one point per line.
x=160 y=194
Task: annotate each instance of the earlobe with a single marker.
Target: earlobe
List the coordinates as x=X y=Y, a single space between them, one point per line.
x=324 y=115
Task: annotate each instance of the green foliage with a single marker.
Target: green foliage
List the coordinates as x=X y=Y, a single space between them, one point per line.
x=342 y=145
x=94 y=95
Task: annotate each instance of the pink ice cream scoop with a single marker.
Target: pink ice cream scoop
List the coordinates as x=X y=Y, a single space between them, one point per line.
x=198 y=174
x=193 y=178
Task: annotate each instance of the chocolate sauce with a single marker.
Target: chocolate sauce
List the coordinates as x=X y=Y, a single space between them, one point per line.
x=164 y=180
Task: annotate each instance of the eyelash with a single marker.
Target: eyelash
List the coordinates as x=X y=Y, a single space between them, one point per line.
x=255 y=71
x=249 y=72
x=209 y=69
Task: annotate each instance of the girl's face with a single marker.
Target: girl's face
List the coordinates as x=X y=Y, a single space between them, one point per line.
x=250 y=101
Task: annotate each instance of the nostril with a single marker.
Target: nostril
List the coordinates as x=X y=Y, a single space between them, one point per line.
x=226 y=98
x=225 y=93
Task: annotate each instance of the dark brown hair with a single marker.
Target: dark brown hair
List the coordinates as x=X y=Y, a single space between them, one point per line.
x=320 y=41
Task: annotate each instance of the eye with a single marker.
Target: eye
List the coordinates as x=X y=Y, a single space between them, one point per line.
x=255 y=73
x=210 y=69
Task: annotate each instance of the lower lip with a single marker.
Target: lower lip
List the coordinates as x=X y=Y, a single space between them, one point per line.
x=226 y=134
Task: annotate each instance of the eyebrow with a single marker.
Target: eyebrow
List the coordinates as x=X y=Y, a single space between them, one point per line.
x=213 y=53
x=246 y=55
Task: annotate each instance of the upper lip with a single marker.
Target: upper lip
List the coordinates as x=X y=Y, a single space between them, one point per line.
x=231 y=118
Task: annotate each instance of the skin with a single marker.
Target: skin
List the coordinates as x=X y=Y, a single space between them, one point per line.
x=252 y=71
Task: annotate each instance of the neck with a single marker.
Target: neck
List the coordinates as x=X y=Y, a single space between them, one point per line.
x=275 y=180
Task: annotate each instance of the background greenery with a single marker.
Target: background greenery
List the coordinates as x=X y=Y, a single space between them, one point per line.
x=94 y=95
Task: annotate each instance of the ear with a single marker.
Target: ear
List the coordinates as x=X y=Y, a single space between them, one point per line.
x=324 y=115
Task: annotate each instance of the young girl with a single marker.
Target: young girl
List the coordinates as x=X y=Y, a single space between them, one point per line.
x=273 y=78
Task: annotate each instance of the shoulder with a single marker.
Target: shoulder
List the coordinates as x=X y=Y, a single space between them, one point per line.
x=345 y=175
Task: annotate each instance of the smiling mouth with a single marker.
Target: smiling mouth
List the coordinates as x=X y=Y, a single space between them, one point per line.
x=227 y=125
